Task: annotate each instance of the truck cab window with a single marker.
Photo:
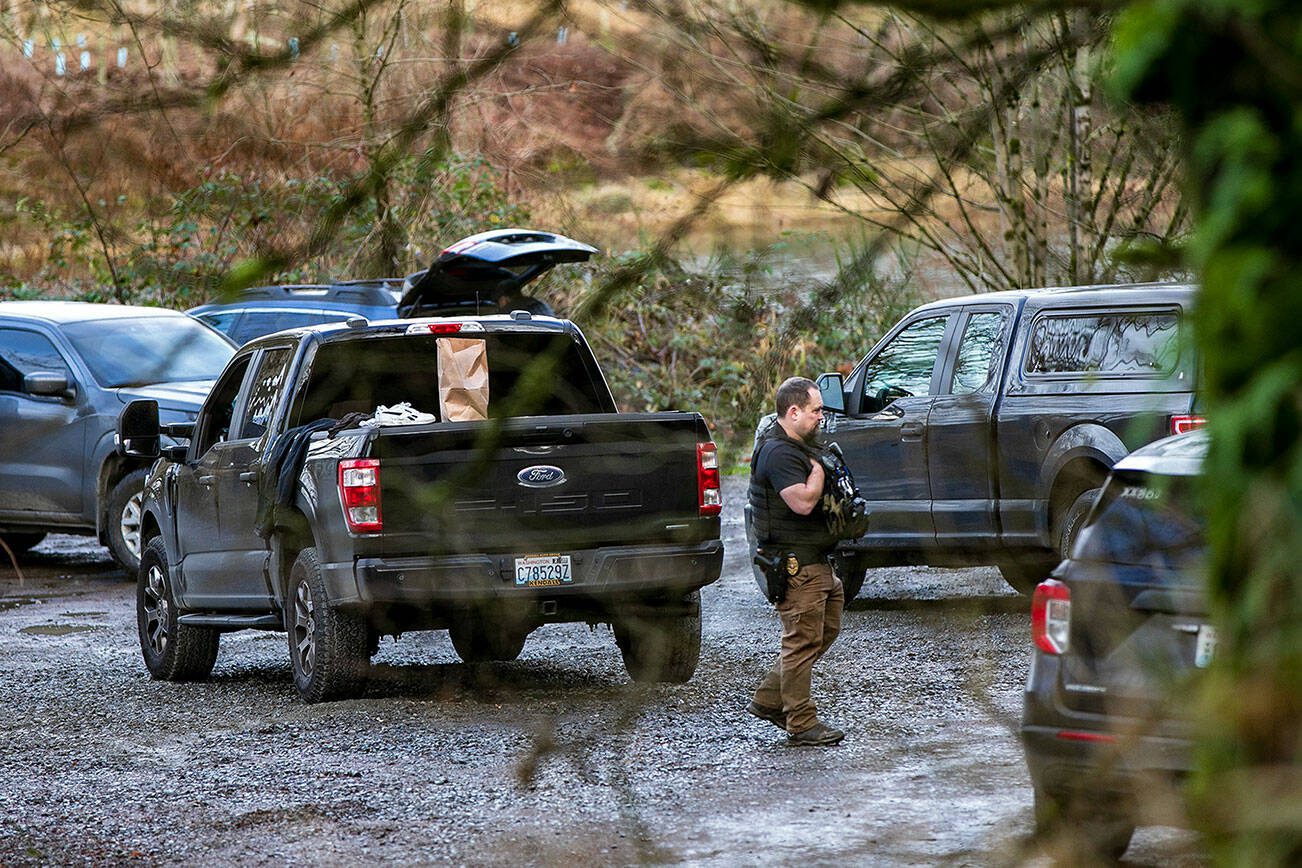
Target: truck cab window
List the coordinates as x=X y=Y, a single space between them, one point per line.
x=354 y=376
x=1108 y=343
x=977 y=365
x=263 y=391
x=904 y=366
x=214 y=424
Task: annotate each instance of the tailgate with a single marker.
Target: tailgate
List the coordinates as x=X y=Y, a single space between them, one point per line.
x=548 y=483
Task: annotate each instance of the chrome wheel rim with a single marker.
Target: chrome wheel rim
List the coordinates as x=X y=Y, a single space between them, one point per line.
x=129 y=523
x=304 y=637
x=156 y=610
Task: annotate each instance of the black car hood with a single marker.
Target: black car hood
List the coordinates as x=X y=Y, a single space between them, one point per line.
x=484 y=267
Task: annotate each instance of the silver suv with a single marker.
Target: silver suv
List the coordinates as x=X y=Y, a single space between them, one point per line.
x=66 y=371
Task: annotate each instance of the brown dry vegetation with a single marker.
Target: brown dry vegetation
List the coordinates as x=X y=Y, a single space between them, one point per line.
x=611 y=133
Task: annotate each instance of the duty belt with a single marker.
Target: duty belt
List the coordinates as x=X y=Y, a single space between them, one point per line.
x=805 y=554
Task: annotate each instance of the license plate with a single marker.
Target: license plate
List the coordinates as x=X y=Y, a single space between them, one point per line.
x=543 y=571
x=1205 y=649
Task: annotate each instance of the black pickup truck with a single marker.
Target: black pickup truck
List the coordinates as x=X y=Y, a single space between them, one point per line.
x=980 y=428
x=549 y=506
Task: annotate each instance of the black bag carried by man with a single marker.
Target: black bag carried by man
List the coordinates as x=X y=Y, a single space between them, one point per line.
x=844 y=508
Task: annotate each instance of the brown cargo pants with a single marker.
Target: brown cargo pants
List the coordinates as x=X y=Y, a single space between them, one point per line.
x=811 y=620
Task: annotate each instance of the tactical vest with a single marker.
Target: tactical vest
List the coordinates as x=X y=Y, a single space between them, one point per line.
x=774 y=522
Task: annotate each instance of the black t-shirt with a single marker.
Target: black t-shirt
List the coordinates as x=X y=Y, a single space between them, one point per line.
x=779 y=463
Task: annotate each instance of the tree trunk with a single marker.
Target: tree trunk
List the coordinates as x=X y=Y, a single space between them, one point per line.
x=1006 y=132
x=1079 y=183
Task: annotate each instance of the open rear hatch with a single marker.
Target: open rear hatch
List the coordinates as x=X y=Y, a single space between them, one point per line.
x=477 y=274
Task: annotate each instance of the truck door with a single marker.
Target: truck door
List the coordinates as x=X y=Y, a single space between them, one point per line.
x=42 y=438
x=884 y=436
x=197 y=497
x=960 y=430
x=243 y=551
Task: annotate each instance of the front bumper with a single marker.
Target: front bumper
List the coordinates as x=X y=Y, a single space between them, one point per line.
x=608 y=572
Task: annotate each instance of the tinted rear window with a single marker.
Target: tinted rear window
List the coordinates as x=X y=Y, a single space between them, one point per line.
x=1144 y=519
x=1104 y=343
x=360 y=375
x=256 y=323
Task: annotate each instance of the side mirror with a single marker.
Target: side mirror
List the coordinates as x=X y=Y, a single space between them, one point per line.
x=179 y=430
x=138 y=434
x=49 y=384
x=832 y=387
x=176 y=453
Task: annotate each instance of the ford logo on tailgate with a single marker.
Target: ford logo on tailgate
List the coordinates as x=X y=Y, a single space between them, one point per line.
x=540 y=476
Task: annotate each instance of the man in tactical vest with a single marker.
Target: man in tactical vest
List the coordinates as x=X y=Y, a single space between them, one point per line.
x=786 y=487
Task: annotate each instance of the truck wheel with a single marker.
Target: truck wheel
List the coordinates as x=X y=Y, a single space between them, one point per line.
x=327 y=645
x=21 y=542
x=124 y=514
x=172 y=651
x=1105 y=835
x=479 y=638
x=1071 y=521
x=662 y=647
x=1022 y=575
x=852 y=572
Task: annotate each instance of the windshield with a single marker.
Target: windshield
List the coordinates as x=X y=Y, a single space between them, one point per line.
x=1146 y=520
x=145 y=350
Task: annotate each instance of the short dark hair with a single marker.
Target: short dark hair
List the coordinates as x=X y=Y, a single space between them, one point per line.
x=794 y=392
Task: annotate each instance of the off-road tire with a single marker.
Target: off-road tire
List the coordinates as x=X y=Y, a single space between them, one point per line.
x=662 y=647
x=1105 y=835
x=20 y=543
x=1023 y=574
x=480 y=638
x=123 y=520
x=327 y=645
x=1068 y=525
x=172 y=651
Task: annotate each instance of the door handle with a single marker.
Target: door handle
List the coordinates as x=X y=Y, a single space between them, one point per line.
x=249 y=476
x=205 y=480
x=911 y=431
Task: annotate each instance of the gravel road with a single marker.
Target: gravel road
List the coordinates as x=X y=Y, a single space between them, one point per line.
x=556 y=758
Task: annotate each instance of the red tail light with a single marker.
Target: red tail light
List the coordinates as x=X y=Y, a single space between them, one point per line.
x=1073 y=735
x=1051 y=616
x=1181 y=424
x=359 y=490
x=707 y=479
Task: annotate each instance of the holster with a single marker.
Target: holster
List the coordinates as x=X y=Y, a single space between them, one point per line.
x=777 y=567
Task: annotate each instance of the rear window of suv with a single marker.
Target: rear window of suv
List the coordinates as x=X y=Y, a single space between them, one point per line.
x=1104 y=343
x=1144 y=519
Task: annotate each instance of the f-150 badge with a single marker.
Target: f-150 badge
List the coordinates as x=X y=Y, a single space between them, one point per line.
x=540 y=476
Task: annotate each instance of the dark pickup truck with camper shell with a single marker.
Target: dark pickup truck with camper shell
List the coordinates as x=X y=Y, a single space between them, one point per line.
x=544 y=505
x=980 y=428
